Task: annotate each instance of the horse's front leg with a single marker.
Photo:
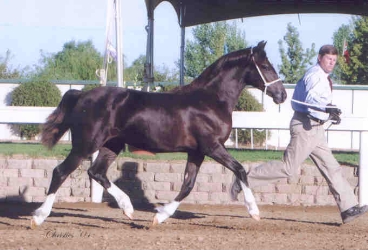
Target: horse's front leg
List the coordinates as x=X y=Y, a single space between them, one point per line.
x=60 y=173
x=190 y=175
x=223 y=157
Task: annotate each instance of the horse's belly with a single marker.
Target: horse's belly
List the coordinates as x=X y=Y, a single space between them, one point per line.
x=159 y=141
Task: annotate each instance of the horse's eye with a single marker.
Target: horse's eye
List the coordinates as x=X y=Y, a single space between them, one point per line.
x=265 y=67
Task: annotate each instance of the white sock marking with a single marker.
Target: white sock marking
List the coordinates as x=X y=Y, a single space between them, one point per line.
x=166 y=211
x=94 y=155
x=250 y=201
x=122 y=198
x=44 y=210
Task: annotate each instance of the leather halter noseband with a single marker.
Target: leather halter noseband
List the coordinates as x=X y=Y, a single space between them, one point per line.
x=266 y=84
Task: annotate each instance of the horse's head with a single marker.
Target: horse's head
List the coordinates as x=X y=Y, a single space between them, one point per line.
x=264 y=76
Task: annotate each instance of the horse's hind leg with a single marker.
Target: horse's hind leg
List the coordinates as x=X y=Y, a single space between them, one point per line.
x=106 y=156
x=191 y=170
x=222 y=156
x=60 y=173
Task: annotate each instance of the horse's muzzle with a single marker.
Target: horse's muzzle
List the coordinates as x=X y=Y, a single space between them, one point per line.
x=279 y=97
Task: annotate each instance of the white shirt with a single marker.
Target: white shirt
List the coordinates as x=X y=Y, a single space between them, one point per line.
x=313 y=88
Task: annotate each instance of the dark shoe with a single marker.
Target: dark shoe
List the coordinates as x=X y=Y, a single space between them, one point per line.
x=353 y=213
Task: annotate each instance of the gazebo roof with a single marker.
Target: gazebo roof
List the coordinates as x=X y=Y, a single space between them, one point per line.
x=206 y=11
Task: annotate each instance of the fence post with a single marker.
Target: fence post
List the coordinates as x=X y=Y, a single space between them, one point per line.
x=96 y=188
x=251 y=138
x=363 y=168
x=236 y=138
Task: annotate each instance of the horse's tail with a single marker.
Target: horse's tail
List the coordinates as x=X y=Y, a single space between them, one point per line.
x=55 y=126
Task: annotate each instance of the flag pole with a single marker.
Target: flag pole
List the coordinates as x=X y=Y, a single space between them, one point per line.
x=119 y=51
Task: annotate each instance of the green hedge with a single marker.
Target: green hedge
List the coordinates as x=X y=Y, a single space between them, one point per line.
x=35 y=93
x=247 y=102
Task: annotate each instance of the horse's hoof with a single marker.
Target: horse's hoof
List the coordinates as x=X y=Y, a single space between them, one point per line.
x=256 y=217
x=33 y=224
x=155 y=221
x=129 y=215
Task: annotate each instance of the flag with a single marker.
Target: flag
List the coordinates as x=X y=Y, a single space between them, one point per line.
x=111 y=50
x=345 y=52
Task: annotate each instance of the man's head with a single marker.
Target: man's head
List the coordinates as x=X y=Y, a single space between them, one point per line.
x=327 y=57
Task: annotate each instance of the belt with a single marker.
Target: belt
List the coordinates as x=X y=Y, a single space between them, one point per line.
x=321 y=122
x=316 y=119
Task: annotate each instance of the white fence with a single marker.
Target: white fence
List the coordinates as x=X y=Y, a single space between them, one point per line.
x=247 y=120
x=348 y=98
x=351 y=134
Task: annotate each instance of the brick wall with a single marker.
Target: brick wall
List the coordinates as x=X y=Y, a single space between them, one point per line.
x=26 y=179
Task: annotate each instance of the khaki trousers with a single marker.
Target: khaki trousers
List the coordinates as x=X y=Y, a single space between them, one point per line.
x=307 y=140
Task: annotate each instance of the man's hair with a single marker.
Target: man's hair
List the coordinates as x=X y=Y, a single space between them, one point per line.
x=328 y=49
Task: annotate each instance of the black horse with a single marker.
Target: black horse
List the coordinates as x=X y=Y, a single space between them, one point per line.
x=195 y=118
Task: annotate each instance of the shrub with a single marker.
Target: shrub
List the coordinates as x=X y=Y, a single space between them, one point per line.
x=35 y=93
x=247 y=102
x=167 y=87
x=91 y=86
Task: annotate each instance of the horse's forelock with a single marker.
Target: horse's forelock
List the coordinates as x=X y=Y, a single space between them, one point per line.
x=260 y=54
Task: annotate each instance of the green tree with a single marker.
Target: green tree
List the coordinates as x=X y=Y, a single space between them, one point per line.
x=356 y=72
x=341 y=71
x=6 y=71
x=294 y=59
x=76 y=61
x=211 y=41
x=134 y=73
x=359 y=51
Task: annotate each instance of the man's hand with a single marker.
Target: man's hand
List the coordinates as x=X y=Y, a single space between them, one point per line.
x=333 y=110
x=335 y=119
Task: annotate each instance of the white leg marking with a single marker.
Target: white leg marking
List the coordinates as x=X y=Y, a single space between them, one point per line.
x=96 y=188
x=122 y=199
x=96 y=191
x=250 y=202
x=94 y=155
x=43 y=211
x=165 y=212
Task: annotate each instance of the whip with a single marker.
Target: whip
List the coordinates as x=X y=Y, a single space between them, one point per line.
x=308 y=104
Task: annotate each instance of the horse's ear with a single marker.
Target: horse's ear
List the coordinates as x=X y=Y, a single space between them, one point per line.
x=261 y=45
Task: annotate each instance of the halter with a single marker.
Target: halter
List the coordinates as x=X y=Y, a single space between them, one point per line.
x=266 y=84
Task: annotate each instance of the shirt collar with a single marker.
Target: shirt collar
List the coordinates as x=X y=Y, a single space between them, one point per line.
x=320 y=68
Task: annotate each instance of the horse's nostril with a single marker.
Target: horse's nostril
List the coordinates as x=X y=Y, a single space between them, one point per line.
x=284 y=96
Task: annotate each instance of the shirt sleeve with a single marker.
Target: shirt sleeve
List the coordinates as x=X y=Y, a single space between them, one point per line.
x=318 y=91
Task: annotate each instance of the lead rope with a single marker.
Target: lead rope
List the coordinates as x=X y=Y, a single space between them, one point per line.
x=312 y=105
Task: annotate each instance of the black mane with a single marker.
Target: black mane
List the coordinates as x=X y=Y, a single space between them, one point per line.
x=239 y=58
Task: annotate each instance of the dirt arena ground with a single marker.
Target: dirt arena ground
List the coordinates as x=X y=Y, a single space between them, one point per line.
x=103 y=226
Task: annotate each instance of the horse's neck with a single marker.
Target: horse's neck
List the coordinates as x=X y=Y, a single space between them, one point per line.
x=227 y=91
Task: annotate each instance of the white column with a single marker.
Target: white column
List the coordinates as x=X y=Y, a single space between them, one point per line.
x=119 y=44
x=363 y=168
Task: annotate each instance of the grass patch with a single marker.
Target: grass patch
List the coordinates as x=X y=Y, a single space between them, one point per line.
x=36 y=150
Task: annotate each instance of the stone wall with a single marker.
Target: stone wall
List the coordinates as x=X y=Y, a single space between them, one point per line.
x=27 y=179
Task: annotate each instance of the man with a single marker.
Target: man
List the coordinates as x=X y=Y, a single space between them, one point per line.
x=312 y=107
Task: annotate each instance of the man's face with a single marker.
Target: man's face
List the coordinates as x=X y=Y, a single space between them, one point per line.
x=327 y=62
